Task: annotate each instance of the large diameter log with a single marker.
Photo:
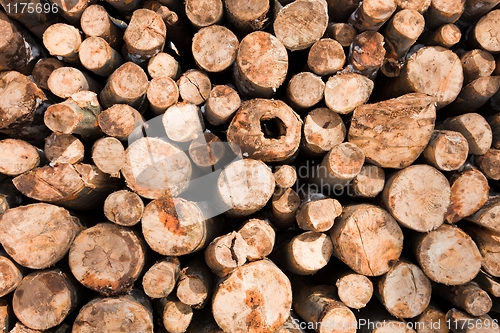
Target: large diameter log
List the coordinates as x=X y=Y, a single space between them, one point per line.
x=477 y=63
x=487 y=215
x=440 y=253
x=42 y=70
x=107 y=258
x=488 y=243
x=267 y=130
x=204 y=13
x=486 y=34
x=247 y=16
x=344 y=92
x=305 y=90
x=18 y=157
x=318 y=215
x=161 y=278
x=163 y=64
x=23 y=105
x=63 y=148
x=79 y=186
x=256 y=297
x=43 y=299
x=214 y=47
x=123 y=208
x=63 y=41
x=354 y=290
x=11 y=276
x=225 y=253
x=371 y=15
x=175 y=315
x=367 y=53
x=323 y=130
x=468 y=296
x=194 y=287
x=259 y=236
x=221 y=104
x=65 y=81
x=194 y=86
x=261 y=65
x=119 y=121
x=489 y=164
x=446 y=150
x=183 y=122
x=367 y=239
x=442 y=12
x=393 y=133
x=423 y=203
x=38 y=235
x=461 y=322
x=95 y=22
x=97 y=56
x=368 y=183
x=474 y=128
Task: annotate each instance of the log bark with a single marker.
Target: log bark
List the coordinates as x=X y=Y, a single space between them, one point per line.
x=468 y=296
x=97 y=56
x=489 y=164
x=494 y=122
x=225 y=253
x=442 y=12
x=63 y=148
x=96 y=22
x=402 y=31
x=247 y=16
x=161 y=278
x=119 y=121
x=345 y=92
x=11 y=277
x=175 y=315
x=38 y=235
x=488 y=283
x=326 y=57
x=194 y=287
x=284 y=206
x=63 y=41
x=214 y=47
x=368 y=183
x=340 y=11
x=371 y=15
x=488 y=243
x=432 y=320
x=261 y=303
x=163 y=64
x=323 y=130
x=354 y=290
x=285 y=176
x=344 y=33
x=357 y=239
x=446 y=36
x=367 y=53
x=485 y=216
x=123 y=208
x=304 y=90
x=261 y=65
x=43 y=299
x=66 y=81
x=461 y=322
x=476 y=94
x=440 y=251
x=204 y=13
x=183 y=122
x=162 y=93
x=42 y=70
x=221 y=104
x=194 y=86
x=475 y=9
x=318 y=215
x=108 y=155
x=477 y=63
x=267 y=130
x=259 y=236
x=485 y=33
x=18 y=157
x=446 y=150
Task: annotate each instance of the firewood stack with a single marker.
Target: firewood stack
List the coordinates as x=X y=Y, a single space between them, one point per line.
x=204 y=166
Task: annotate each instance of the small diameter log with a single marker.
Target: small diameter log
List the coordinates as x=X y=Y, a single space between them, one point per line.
x=321 y=309
x=404 y=290
x=144 y=36
x=268 y=130
x=204 y=13
x=344 y=92
x=214 y=47
x=162 y=93
x=468 y=296
x=125 y=7
x=354 y=290
x=419 y=5
x=247 y=16
x=261 y=64
x=486 y=216
x=79 y=186
x=175 y=315
x=127 y=85
x=108 y=155
x=18 y=156
x=494 y=122
x=371 y=15
x=183 y=122
x=486 y=34
x=43 y=299
x=37 y=235
x=402 y=31
x=431 y=320
x=446 y=36
x=161 y=278
x=66 y=81
x=442 y=12
x=207 y=150
x=194 y=86
x=225 y=253
x=474 y=128
x=123 y=208
x=367 y=239
x=476 y=94
x=444 y=81
x=344 y=33
x=107 y=258
x=194 y=287
x=175 y=227
x=285 y=176
x=441 y=252
x=284 y=206
x=21 y=111
x=119 y=121
x=259 y=236
x=305 y=90
x=221 y=104
x=256 y=297
x=63 y=41
x=461 y=322
x=77 y=115
x=163 y=64
x=488 y=283
x=477 y=63
x=489 y=164
x=323 y=130
x=42 y=70
x=63 y=148
x=318 y=215
x=367 y=53
x=446 y=150
x=488 y=243
x=95 y=22
x=10 y=278
x=393 y=133
x=368 y=183
x=98 y=57
x=475 y=9
x=123 y=312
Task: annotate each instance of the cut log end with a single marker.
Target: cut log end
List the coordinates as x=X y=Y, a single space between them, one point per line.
x=123 y=208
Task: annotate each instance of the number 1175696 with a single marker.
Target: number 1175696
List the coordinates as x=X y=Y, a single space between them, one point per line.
x=29 y=7
x=469 y=324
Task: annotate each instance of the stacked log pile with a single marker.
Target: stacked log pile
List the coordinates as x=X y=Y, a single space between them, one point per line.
x=264 y=166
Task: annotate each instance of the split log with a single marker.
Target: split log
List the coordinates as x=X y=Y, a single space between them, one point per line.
x=204 y=13
x=404 y=290
x=221 y=104
x=326 y=57
x=461 y=322
x=175 y=315
x=79 y=186
x=468 y=296
x=285 y=176
x=368 y=183
x=367 y=53
x=43 y=299
x=161 y=278
x=183 y=122
x=97 y=56
x=163 y=64
x=486 y=216
x=323 y=130
x=304 y=90
x=66 y=81
x=344 y=33
x=354 y=290
x=318 y=215
x=432 y=320
x=494 y=122
x=262 y=301
x=474 y=128
x=284 y=206
x=214 y=47
x=125 y=7
x=207 y=150
x=127 y=85
x=247 y=16
x=476 y=94
x=42 y=70
x=107 y=258
x=488 y=243
x=11 y=277
x=63 y=41
x=194 y=287
x=123 y=208
x=194 y=86
x=446 y=36
x=489 y=164
x=175 y=227
x=37 y=235
x=440 y=251
x=119 y=121
x=345 y=92
x=442 y=12
x=22 y=108
x=402 y=31
x=446 y=150
x=108 y=155
x=18 y=157
x=125 y=312
x=259 y=236
x=485 y=34
x=268 y=130
x=162 y=93
x=225 y=253
x=477 y=63
x=371 y=15
x=63 y=148
x=367 y=239
x=393 y=133
x=475 y=9
x=77 y=115
x=419 y=5
x=261 y=64
x=488 y=283
x=95 y=22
